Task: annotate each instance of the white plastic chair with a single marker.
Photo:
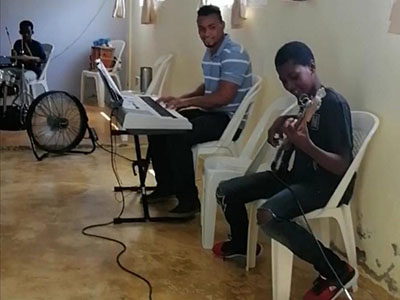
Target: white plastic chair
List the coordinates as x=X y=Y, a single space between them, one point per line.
x=226 y=145
x=119 y=47
x=365 y=125
x=42 y=80
x=160 y=69
x=217 y=168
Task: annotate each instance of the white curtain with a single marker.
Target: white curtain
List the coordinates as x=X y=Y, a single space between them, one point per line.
x=148 y=12
x=203 y=2
x=119 y=9
x=238 y=13
x=395 y=18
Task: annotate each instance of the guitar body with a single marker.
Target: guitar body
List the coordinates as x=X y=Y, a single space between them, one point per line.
x=308 y=107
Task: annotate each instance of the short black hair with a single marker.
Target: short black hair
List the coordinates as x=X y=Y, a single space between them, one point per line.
x=25 y=24
x=207 y=10
x=295 y=51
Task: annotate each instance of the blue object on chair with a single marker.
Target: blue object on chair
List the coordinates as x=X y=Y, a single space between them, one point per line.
x=101 y=42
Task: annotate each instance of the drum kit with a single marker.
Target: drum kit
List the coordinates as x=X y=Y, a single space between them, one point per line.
x=13 y=115
x=56 y=122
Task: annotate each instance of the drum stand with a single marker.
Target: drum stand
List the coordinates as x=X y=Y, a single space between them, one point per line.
x=13 y=116
x=25 y=97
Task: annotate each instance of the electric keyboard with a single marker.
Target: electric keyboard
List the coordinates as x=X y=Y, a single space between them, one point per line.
x=141 y=112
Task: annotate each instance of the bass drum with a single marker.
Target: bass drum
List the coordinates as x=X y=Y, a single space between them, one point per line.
x=56 y=122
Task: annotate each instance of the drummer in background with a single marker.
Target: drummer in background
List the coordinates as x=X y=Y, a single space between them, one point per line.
x=32 y=55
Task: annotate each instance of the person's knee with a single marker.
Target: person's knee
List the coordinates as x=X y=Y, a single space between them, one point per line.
x=264 y=216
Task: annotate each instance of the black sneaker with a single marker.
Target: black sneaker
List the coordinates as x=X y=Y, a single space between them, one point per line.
x=328 y=289
x=185 y=211
x=227 y=249
x=159 y=195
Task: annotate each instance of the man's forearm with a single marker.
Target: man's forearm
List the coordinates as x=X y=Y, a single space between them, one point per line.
x=196 y=93
x=224 y=95
x=207 y=101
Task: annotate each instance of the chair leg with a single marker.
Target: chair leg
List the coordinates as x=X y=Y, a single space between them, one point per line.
x=323 y=231
x=100 y=90
x=82 y=88
x=282 y=263
x=45 y=86
x=194 y=153
x=202 y=199
x=209 y=213
x=252 y=237
x=32 y=90
x=345 y=222
x=123 y=137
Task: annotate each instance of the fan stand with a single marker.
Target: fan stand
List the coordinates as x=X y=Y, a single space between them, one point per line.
x=92 y=136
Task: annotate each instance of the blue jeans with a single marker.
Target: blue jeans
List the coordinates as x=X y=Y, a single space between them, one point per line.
x=233 y=194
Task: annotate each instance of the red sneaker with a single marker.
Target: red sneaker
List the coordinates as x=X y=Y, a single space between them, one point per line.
x=226 y=249
x=327 y=289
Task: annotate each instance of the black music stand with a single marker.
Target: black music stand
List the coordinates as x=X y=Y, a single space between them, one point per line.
x=143 y=164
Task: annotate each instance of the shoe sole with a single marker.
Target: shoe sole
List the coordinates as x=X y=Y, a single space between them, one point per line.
x=187 y=215
x=243 y=255
x=160 y=200
x=347 y=286
x=181 y=215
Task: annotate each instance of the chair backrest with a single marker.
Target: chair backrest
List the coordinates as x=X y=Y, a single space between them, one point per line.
x=119 y=46
x=244 y=110
x=48 y=50
x=280 y=106
x=365 y=125
x=160 y=71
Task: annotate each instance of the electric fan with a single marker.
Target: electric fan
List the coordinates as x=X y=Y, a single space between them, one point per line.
x=56 y=122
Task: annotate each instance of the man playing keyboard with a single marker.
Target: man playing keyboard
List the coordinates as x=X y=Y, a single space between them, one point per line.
x=227 y=78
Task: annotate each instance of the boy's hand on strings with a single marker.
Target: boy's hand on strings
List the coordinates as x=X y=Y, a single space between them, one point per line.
x=298 y=136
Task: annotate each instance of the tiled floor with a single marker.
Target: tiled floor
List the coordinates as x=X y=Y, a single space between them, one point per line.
x=45 y=205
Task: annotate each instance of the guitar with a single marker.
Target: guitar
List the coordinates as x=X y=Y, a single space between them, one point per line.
x=307 y=109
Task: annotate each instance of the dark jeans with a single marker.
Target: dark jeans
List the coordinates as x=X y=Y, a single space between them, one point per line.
x=172 y=157
x=233 y=194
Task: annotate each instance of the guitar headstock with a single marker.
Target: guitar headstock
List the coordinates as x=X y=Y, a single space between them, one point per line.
x=309 y=106
x=321 y=93
x=315 y=104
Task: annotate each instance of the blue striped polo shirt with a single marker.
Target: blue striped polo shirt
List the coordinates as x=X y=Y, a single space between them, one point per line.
x=229 y=63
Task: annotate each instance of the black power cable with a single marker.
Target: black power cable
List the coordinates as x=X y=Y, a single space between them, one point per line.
x=114 y=168
x=115 y=153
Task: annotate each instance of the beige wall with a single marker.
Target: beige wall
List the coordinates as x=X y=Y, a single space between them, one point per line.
x=354 y=54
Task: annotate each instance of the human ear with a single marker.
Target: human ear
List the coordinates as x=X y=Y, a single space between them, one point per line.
x=312 y=66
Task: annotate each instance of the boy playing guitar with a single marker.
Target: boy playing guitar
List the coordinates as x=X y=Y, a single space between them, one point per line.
x=323 y=152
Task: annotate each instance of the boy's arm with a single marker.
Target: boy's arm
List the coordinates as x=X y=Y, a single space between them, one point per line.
x=333 y=162
x=337 y=157
x=275 y=132
x=41 y=54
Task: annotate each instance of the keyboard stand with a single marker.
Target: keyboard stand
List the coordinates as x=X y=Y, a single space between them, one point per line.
x=142 y=165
